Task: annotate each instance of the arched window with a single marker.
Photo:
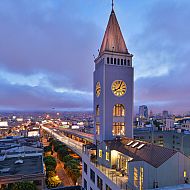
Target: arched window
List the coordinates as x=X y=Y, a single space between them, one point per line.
x=118 y=129
x=97 y=110
x=118 y=61
x=125 y=62
x=97 y=128
x=118 y=110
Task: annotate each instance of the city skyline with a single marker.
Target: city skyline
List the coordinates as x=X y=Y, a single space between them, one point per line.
x=42 y=44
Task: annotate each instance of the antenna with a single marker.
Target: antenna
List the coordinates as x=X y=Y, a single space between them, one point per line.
x=112 y=4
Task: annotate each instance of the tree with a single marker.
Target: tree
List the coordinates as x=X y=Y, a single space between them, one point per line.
x=47 y=148
x=62 y=151
x=72 y=167
x=67 y=158
x=50 y=162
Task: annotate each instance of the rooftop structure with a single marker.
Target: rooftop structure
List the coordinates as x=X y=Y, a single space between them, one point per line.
x=113 y=40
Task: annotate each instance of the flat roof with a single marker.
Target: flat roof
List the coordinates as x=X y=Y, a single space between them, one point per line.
x=30 y=165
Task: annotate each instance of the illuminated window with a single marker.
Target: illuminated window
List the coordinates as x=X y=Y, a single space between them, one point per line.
x=97 y=110
x=118 y=110
x=141 y=178
x=97 y=128
x=184 y=174
x=135 y=177
x=118 y=129
x=100 y=153
x=107 y=156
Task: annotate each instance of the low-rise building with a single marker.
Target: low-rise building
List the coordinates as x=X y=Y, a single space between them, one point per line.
x=21 y=159
x=19 y=169
x=128 y=163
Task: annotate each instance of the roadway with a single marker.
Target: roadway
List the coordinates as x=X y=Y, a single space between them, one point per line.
x=89 y=137
x=72 y=144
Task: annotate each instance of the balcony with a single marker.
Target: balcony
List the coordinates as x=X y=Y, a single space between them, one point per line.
x=118 y=177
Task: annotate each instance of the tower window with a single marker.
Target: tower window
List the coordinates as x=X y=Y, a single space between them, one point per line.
x=115 y=61
x=97 y=110
x=128 y=62
x=121 y=61
x=125 y=63
x=118 y=129
x=111 y=60
x=118 y=61
x=118 y=110
x=108 y=60
x=97 y=128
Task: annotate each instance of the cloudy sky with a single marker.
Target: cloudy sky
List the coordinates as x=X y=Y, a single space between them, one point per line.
x=47 y=47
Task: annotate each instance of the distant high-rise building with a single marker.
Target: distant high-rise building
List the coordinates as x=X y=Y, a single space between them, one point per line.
x=165 y=114
x=151 y=113
x=143 y=112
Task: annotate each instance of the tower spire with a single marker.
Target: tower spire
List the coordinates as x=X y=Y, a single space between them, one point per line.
x=113 y=40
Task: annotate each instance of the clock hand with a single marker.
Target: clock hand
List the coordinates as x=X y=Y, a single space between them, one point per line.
x=118 y=87
x=120 y=84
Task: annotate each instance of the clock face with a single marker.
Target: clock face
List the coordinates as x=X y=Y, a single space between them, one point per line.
x=98 y=89
x=119 y=87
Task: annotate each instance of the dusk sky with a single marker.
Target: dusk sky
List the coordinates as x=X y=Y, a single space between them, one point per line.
x=47 y=47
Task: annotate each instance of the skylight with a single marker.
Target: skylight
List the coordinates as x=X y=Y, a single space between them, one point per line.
x=135 y=144
x=130 y=143
x=140 y=146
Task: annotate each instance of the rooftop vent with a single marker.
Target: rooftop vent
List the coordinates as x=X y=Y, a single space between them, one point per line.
x=5 y=170
x=19 y=161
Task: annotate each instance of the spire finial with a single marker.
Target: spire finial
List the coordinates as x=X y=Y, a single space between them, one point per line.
x=112 y=4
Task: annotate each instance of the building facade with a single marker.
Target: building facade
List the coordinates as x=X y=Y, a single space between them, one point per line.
x=143 y=112
x=115 y=160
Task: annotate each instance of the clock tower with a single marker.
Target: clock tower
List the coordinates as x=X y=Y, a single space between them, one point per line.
x=113 y=86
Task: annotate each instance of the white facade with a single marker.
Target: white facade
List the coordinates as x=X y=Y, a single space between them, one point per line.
x=185 y=124
x=168 y=124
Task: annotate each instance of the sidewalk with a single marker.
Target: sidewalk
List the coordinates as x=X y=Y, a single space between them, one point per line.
x=67 y=181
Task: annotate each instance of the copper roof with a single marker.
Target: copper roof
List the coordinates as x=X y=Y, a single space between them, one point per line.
x=150 y=153
x=113 y=40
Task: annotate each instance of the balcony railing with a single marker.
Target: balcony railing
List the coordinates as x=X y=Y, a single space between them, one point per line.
x=117 y=177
